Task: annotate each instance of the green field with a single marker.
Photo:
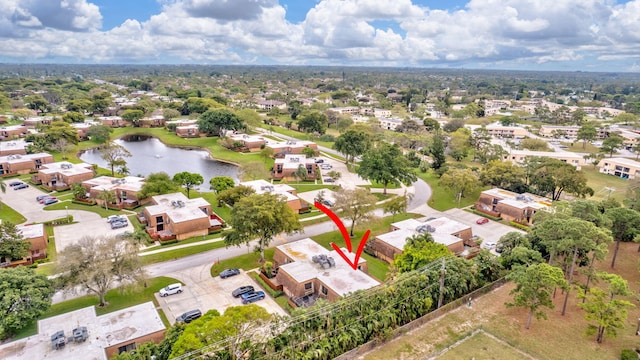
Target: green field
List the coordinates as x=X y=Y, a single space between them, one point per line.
x=481 y=346
x=444 y=199
x=8 y=214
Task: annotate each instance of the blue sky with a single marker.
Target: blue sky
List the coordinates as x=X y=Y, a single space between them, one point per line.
x=589 y=35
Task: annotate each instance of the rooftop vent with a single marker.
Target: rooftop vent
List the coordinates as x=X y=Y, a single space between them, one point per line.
x=425 y=229
x=66 y=166
x=324 y=261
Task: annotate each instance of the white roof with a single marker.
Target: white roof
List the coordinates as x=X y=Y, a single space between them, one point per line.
x=291 y=161
x=519 y=201
x=30 y=231
x=341 y=278
x=551 y=154
x=620 y=161
x=262 y=186
x=114 y=328
x=18 y=144
x=128 y=183
x=66 y=168
x=18 y=158
x=443 y=228
x=178 y=207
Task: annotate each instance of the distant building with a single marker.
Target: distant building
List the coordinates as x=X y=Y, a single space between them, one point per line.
x=174 y=216
x=13 y=132
x=13 y=147
x=287 y=192
x=286 y=167
x=188 y=131
x=249 y=142
x=519 y=157
x=36 y=121
x=621 y=167
x=499 y=130
x=23 y=164
x=61 y=175
x=125 y=190
x=445 y=231
x=307 y=271
x=113 y=121
x=295 y=147
x=511 y=206
x=389 y=123
x=152 y=121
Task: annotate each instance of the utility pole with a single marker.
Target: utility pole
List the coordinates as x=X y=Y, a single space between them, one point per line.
x=442 y=273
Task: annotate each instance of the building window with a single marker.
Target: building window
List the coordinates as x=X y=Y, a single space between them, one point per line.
x=308 y=286
x=324 y=290
x=159 y=220
x=204 y=210
x=128 y=347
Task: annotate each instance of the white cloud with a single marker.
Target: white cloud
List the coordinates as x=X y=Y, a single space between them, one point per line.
x=334 y=31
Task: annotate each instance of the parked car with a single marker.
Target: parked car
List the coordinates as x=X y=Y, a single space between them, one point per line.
x=242 y=290
x=112 y=218
x=43 y=198
x=326 y=167
x=488 y=245
x=329 y=180
x=482 y=221
x=119 y=224
x=189 y=316
x=50 y=201
x=319 y=161
x=252 y=296
x=229 y=272
x=15 y=183
x=21 y=186
x=171 y=289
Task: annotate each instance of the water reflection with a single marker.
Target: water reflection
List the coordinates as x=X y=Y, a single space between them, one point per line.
x=150 y=155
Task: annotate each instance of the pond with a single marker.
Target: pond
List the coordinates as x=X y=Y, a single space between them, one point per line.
x=150 y=155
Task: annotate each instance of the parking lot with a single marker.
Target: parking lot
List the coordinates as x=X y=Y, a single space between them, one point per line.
x=347 y=179
x=203 y=292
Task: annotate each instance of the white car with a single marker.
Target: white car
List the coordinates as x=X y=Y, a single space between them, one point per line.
x=488 y=245
x=326 y=167
x=171 y=289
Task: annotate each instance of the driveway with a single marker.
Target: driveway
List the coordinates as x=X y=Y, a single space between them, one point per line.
x=86 y=222
x=347 y=179
x=491 y=231
x=203 y=292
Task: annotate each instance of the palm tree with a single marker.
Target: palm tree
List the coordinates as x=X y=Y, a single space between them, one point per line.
x=107 y=197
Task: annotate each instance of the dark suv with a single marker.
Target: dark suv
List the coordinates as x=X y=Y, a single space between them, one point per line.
x=189 y=316
x=242 y=290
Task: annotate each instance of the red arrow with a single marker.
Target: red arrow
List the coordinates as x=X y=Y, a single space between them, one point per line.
x=345 y=235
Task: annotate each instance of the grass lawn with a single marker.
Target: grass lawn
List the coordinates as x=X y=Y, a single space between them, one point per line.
x=598 y=182
x=576 y=146
x=179 y=253
x=245 y=262
x=443 y=199
x=559 y=337
x=8 y=214
x=117 y=299
x=76 y=206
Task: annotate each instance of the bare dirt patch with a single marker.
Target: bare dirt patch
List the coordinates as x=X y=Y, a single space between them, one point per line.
x=559 y=337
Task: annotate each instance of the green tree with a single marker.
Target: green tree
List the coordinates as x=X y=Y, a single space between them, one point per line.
x=534 y=288
x=221 y=183
x=79 y=105
x=12 y=244
x=99 y=133
x=625 y=226
x=578 y=116
x=437 y=150
x=460 y=182
x=503 y=174
x=314 y=122
x=552 y=176
x=188 y=180
x=253 y=170
x=356 y=205
x=535 y=145
x=24 y=297
x=73 y=117
x=386 y=165
x=170 y=114
x=78 y=191
x=132 y=116
x=232 y=195
x=61 y=130
x=96 y=264
x=261 y=216
x=431 y=124
x=114 y=155
x=603 y=310
x=420 y=250
x=459 y=143
x=353 y=143
x=308 y=152
x=37 y=103
x=157 y=184
x=217 y=122
x=611 y=144
x=107 y=198
x=587 y=132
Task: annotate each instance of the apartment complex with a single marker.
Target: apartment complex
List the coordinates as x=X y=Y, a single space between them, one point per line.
x=61 y=175
x=621 y=167
x=511 y=206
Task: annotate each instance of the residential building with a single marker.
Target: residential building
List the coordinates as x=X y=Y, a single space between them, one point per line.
x=13 y=132
x=499 y=130
x=13 y=147
x=629 y=138
x=113 y=121
x=282 y=148
x=174 y=216
x=285 y=168
x=188 y=131
x=61 y=175
x=519 y=156
x=288 y=193
x=37 y=237
x=445 y=231
x=152 y=121
x=347 y=110
x=83 y=128
x=125 y=190
x=511 y=206
x=36 y=121
x=621 y=167
x=249 y=142
x=23 y=164
x=270 y=104
x=88 y=336
x=307 y=271
x=389 y=123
